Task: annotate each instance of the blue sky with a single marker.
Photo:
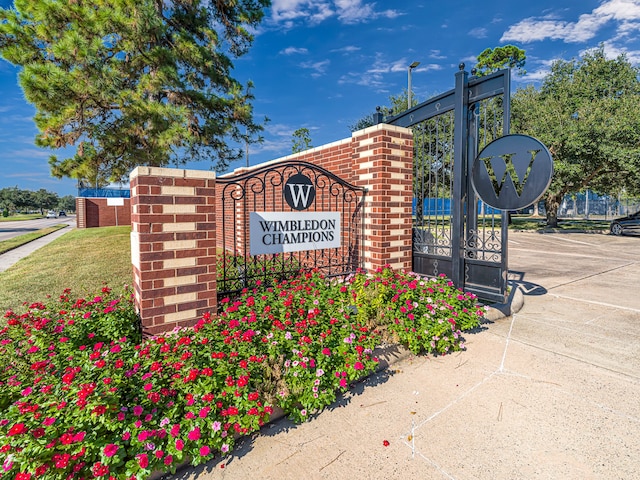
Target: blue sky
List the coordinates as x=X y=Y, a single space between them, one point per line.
x=324 y=64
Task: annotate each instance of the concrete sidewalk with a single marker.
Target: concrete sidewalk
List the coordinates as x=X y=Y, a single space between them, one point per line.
x=11 y=257
x=550 y=392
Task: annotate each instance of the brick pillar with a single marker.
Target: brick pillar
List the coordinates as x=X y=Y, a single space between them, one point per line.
x=173 y=246
x=383 y=162
x=81 y=212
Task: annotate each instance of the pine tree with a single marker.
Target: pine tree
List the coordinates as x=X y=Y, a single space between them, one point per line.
x=133 y=82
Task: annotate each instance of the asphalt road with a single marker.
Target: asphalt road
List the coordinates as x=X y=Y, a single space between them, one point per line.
x=14 y=229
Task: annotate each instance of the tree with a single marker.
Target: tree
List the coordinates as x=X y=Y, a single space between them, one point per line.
x=301 y=140
x=133 y=82
x=67 y=203
x=45 y=200
x=586 y=112
x=492 y=60
x=398 y=104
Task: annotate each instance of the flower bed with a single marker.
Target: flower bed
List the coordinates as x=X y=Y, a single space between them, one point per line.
x=83 y=395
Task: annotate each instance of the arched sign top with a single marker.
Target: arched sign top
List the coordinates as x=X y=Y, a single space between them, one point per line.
x=512 y=172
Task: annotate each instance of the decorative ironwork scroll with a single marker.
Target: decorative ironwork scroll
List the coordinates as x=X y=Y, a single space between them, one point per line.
x=273 y=196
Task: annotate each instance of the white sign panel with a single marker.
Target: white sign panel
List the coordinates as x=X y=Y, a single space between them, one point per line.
x=115 y=202
x=278 y=232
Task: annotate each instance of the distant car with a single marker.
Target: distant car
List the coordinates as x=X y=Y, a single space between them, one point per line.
x=629 y=225
x=62 y=214
x=52 y=214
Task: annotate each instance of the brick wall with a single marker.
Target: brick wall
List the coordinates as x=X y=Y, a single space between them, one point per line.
x=175 y=214
x=96 y=212
x=379 y=158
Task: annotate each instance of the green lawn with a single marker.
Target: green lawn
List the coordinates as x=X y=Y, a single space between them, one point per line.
x=20 y=217
x=540 y=223
x=83 y=260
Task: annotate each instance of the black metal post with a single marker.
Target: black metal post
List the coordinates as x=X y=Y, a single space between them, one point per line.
x=459 y=177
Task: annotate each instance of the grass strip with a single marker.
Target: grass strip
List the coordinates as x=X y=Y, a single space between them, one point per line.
x=15 y=242
x=21 y=217
x=83 y=260
x=540 y=224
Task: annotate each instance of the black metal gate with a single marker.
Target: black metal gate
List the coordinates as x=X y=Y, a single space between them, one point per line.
x=453 y=232
x=263 y=190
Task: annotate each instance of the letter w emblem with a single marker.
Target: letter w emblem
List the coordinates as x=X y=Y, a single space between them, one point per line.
x=505 y=172
x=300 y=193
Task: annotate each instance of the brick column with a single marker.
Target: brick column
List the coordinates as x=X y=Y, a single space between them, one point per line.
x=81 y=212
x=382 y=161
x=173 y=246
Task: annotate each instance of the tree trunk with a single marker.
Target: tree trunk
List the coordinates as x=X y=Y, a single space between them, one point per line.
x=536 y=209
x=551 y=205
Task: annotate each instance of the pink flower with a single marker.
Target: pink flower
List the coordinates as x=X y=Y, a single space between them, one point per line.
x=148 y=386
x=175 y=430
x=110 y=450
x=326 y=351
x=194 y=434
x=204 y=412
x=343 y=382
x=48 y=421
x=358 y=366
x=204 y=451
x=143 y=460
x=168 y=460
x=179 y=444
x=137 y=410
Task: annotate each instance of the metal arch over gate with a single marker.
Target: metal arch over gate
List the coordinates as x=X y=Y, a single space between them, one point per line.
x=263 y=192
x=453 y=232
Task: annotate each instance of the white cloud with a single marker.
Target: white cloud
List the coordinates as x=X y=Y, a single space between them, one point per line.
x=612 y=51
x=293 y=51
x=319 y=68
x=285 y=12
x=347 y=49
x=478 y=32
x=375 y=77
x=585 y=28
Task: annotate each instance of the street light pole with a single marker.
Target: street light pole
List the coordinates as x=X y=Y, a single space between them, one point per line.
x=410 y=68
x=246 y=142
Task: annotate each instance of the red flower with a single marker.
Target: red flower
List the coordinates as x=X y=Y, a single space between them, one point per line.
x=17 y=429
x=110 y=450
x=385 y=443
x=100 y=470
x=253 y=396
x=194 y=434
x=143 y=460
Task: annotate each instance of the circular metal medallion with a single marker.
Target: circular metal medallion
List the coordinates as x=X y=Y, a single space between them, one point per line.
x=299 y=192
x=512 y=172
